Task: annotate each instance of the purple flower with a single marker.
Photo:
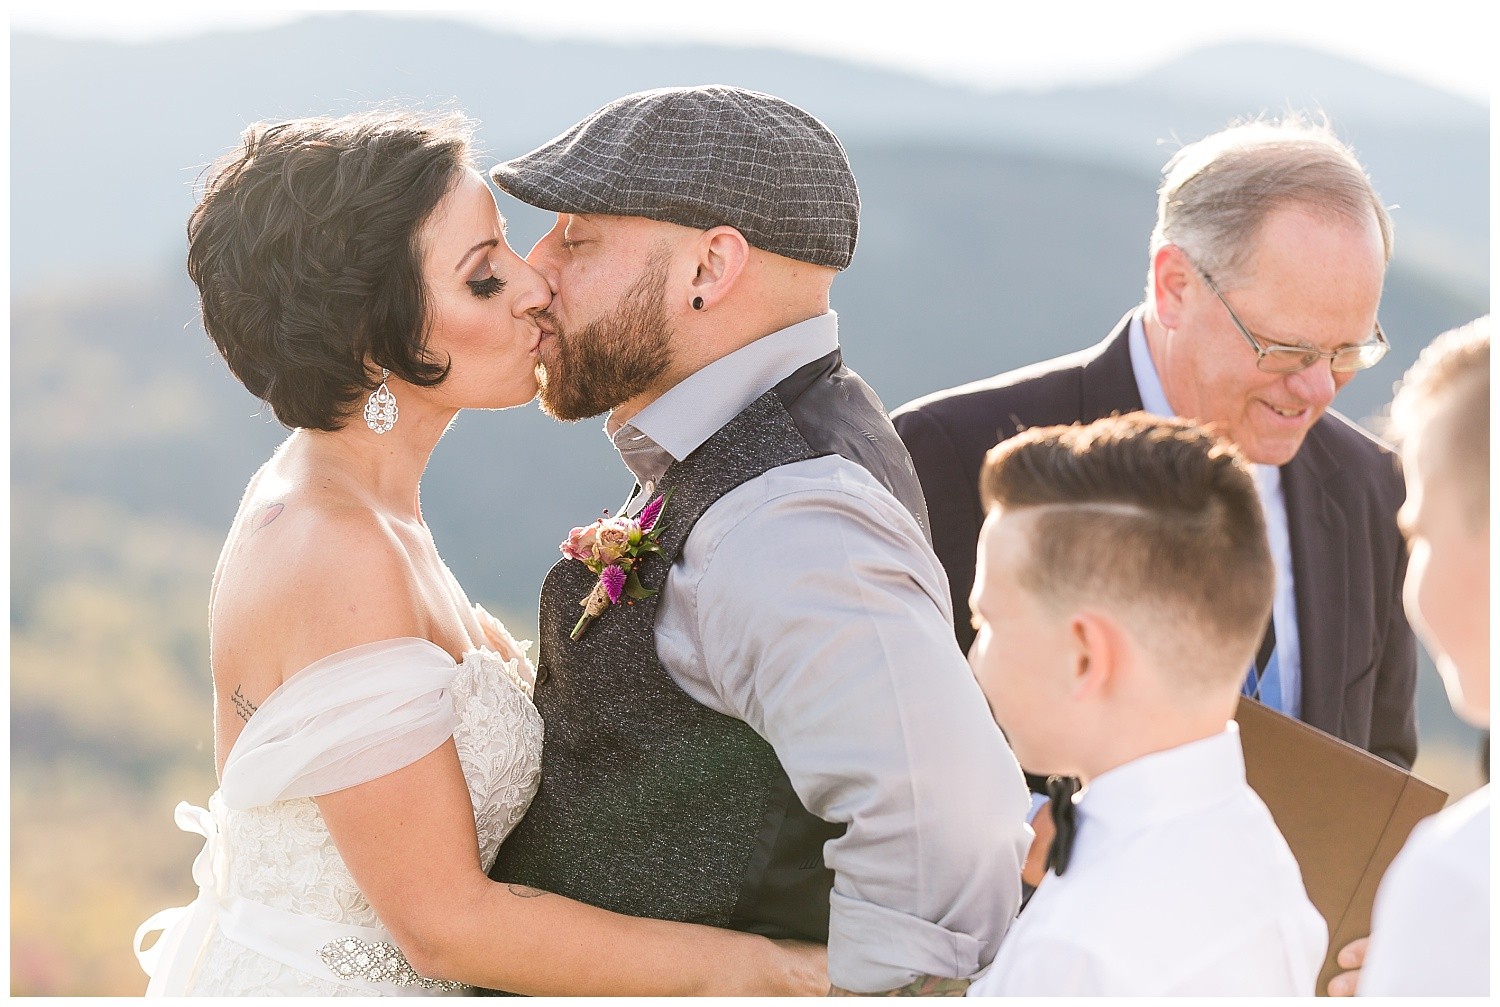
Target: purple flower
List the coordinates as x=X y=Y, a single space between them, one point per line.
x=649 y=514
x=612 y=547
x=613 y=579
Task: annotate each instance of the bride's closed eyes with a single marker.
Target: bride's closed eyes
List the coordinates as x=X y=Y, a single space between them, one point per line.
x=489 y=286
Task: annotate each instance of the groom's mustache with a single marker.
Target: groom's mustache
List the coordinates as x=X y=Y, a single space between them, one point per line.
x=546 y=320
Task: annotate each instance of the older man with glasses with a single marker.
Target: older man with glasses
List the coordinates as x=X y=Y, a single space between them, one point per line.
x=1266 y=268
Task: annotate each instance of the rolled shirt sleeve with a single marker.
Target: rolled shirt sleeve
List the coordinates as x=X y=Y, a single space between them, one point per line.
x=807 y=603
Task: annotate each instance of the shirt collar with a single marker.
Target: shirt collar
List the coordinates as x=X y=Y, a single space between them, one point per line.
x=1163 y=785
x=691 y=411
x=1147 y=380
x=1154 y=401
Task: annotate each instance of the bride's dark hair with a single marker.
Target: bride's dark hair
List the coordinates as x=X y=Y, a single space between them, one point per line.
x=304 y=248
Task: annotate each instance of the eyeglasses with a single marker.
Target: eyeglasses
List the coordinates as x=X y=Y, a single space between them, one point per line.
x=1281 y=359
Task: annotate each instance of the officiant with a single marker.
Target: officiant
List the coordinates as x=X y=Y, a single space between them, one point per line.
x=1262 y=290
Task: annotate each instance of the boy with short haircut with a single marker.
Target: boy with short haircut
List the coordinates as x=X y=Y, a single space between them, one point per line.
x=1124 y=584
x=1430 y=934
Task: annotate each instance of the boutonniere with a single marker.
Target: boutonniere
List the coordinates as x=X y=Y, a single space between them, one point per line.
x=613 y=548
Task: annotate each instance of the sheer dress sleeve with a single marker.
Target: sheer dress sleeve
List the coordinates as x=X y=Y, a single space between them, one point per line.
x=346 y=719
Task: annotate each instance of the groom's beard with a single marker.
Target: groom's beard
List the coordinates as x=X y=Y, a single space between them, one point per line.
x=612 y=359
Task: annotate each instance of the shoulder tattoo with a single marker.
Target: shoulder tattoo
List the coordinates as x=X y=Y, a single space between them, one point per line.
x=270 y=514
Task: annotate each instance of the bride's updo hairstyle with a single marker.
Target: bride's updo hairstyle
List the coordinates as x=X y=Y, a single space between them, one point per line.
x=305 y=250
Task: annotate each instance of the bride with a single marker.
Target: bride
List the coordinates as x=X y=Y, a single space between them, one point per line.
x=374 y=733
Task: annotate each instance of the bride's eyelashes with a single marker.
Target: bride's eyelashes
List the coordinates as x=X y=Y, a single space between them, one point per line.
x=487 y=287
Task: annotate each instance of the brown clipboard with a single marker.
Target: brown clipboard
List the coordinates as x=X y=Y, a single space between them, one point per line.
x=1344 y=812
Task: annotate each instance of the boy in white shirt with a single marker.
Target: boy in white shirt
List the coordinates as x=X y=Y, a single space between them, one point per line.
x=1124 y=585
x=1430 y=934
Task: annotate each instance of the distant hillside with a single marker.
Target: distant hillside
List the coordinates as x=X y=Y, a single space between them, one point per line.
x=990 y=262
x=998 y=228
x=129 y=124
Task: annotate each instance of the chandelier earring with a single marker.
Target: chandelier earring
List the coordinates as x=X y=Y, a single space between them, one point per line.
x=381 y=411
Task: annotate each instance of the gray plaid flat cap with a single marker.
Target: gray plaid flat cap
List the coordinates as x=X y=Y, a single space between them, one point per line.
x=701 y=157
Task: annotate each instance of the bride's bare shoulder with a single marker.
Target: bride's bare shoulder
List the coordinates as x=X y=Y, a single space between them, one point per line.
x=307 y=571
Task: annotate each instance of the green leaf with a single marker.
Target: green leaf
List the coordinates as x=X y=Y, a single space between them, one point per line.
x=635 y=589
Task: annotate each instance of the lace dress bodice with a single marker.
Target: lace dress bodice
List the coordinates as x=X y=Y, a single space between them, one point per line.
x=276 y=853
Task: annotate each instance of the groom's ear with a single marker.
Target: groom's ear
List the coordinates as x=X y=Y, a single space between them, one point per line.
x=722 y=254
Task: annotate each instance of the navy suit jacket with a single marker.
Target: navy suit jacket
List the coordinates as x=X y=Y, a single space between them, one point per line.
x=1342 y=489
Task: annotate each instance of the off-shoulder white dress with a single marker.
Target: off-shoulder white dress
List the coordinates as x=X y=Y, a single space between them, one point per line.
x=277 y=912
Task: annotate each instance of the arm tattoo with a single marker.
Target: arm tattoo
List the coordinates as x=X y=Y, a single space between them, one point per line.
x=922 y=986
x=242 y=706
x=523 y=892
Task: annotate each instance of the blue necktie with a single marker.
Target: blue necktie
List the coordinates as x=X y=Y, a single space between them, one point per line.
x=1263 y=682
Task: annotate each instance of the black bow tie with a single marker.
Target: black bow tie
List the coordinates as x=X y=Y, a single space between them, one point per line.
x=1060 y=791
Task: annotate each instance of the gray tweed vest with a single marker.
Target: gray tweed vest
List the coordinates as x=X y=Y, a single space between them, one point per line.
x=650 y=803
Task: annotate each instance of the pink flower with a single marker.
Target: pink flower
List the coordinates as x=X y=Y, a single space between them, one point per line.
x=613 y=579
x=582 y=543
x=613 y=541
x=602 y=543
x=613 y=547
x=650 y=513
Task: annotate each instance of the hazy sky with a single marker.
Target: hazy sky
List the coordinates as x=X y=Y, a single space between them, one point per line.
x=1004 y=43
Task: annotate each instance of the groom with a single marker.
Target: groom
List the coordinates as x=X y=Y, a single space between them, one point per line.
x=784 y=738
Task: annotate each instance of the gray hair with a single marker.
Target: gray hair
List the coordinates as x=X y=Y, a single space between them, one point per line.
x=1216 y=193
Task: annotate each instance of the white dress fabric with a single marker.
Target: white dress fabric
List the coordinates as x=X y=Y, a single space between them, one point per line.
x=277 y=911
x=1431 y=930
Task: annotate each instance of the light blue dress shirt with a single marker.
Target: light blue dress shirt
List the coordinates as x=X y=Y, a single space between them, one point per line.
x=1273 y=504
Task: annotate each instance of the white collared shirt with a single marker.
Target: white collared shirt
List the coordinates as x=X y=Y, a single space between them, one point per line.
x=1272 y=504
x=1179 y=884
x=1430 y=935
x=807 y=603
